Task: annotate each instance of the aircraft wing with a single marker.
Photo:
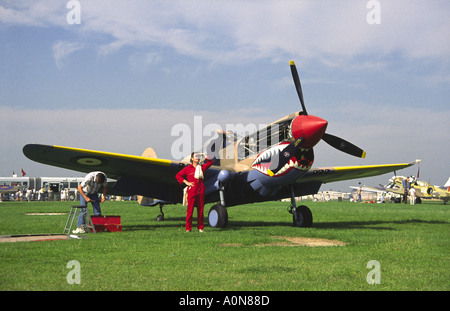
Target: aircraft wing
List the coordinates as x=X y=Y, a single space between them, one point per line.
x=370 y=189
x=6 y=189
x=155 y=178
x=149 y=177
x=340 y=173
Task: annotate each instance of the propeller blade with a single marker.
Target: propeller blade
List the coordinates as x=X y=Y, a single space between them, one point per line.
x=285 y=156
x=298 y=86
x=343 y=145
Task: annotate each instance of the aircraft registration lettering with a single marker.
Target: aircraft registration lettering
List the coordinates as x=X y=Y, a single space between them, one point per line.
x=321 y=171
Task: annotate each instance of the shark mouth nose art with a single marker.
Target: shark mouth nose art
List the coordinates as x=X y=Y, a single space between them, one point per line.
x=269 y=158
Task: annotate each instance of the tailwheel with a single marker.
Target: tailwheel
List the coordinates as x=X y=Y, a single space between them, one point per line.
x=160 y=217
x=302 y=217
x=218 y=216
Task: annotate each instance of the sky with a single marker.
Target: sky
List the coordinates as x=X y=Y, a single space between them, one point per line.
x=118 y=76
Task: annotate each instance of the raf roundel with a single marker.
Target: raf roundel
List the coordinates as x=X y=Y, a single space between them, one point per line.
x=89 y=161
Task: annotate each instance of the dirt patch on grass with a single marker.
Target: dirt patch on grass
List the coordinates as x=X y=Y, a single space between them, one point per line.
x=301 y=241
x=36 y=237
x=44 y=214
x=297 y=241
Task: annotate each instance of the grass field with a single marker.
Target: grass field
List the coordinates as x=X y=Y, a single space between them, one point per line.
x=411 y=244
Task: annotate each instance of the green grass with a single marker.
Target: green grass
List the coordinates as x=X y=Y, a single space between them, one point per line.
x=410 y=242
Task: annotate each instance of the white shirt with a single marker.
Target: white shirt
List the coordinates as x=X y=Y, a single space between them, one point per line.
x=89 y=185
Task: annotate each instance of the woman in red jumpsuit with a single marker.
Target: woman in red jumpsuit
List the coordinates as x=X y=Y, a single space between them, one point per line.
x=192 y=176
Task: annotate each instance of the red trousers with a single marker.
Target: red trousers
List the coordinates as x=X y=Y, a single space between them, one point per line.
x=194 y=201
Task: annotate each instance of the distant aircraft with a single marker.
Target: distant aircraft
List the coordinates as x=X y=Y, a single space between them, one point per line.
x=424 y=190
x=7 y=189
x=4 y=190
x=273 y=163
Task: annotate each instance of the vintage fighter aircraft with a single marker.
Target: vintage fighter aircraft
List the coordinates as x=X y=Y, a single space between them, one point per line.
x=424 y=190
x=7 y=189
x=273 y=163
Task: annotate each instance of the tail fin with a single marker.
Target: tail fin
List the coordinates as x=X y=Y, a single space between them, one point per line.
x=447 y=184
x=148 y=153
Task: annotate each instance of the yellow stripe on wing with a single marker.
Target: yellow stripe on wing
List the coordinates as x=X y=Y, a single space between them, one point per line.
x=117 y=155
x=350 y=168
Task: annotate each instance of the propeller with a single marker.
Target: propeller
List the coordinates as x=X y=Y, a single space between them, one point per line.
x=298 y=86
x=307 y=131
x=343 y=145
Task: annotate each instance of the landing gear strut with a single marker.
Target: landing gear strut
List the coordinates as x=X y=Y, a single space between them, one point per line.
x=218 y=215
x=160 y=217
x=302 y=216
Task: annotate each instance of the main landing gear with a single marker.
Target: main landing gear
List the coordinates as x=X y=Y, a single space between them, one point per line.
x=302 y=216
x=218 y=215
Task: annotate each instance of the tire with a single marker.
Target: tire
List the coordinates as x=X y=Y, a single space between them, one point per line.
x=304 y=217
x=218 y=216
x=160 y=217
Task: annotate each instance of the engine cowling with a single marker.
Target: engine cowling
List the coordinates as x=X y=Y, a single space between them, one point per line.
x=311 y=128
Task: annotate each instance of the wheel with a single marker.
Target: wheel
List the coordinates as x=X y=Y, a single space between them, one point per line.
x=304 y=217
x=160 y=217
x=218 y=216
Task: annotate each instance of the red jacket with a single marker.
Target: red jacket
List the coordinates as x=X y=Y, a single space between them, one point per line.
x=188 y=173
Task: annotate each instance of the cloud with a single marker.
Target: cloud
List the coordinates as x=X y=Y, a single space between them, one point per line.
x=62 y=49
x=388 y=134
x=128 y=131
x=11 y=16
x=236 y=31
x=325 y=37
x=140 y=61
x=33 y=13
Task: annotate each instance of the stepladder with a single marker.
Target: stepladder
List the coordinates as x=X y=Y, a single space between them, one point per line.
x=74 y=211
